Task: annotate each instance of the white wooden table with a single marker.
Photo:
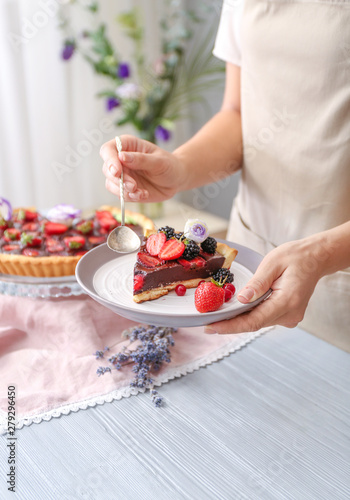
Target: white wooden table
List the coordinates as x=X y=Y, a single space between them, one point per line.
x=270 y=422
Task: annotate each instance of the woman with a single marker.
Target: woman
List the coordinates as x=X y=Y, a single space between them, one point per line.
x=287 y=102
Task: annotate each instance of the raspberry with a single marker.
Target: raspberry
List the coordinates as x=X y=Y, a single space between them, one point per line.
x=209 y=245
x=223 y=275
x=191 y=251
x=168 y=231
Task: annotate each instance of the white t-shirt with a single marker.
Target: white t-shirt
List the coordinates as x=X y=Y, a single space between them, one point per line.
x=228 y=40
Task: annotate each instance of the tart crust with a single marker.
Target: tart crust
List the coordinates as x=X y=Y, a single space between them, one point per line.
x=56 y=265
x=155 y=293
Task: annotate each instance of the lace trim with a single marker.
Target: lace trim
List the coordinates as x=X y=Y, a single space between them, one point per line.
x=126 y=392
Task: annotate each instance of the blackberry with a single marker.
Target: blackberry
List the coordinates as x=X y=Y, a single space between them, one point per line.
x=168 y=231
x=178 y=236
x=223 y=273
x=209 y=245
x=191 y=251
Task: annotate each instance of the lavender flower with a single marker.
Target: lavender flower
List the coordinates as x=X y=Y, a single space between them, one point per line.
x=162 y=134
x=123 y=70
x=111 y=103
x=151 y=351
x=68 y=50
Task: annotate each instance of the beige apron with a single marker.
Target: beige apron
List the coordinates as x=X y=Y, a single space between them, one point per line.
x=296 y=130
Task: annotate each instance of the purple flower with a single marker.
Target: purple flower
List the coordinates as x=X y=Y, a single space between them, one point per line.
x=123 y=70
x=68 y=50
x=111 y=103
x=162 y=134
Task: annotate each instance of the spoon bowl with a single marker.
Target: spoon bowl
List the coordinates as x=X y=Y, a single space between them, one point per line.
x=123 y=239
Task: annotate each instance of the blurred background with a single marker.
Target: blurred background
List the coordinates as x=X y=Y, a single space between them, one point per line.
x=57 y=56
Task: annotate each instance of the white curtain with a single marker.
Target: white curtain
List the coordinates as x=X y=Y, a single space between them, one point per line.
x=51 y=123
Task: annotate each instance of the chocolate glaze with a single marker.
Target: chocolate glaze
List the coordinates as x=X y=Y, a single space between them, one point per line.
x=173 y=271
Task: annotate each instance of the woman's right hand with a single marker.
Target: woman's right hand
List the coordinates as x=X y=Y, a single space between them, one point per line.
x=150 y=173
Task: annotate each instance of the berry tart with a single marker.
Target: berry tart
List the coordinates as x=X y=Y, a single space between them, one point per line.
x=50 y=245
x=168 y=259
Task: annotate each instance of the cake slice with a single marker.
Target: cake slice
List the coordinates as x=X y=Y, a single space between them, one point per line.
x=167 y=259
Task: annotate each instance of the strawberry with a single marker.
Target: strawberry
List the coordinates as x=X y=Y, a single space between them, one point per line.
x=3 y=223
x=29 y=252
x=74 y=242
x=12 y=234
x=10 y=248
x=195 y=263
x=81 y=253
x=108 y=223
x=31 y=239
x=30 y=216
x=155 y=243
x=54 y=228
x=30 y=226
x=102 y=214
x=85 y=226
x=147 y=261
x=172 y=249
x=97 y=240
x=54 y=246
x=208 y=297
x=138 y=282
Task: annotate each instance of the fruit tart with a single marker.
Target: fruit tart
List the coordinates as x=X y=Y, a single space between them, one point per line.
x=50 y=245
x=168 y=258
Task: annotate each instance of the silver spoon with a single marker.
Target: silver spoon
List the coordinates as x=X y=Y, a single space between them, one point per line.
x=123 y=239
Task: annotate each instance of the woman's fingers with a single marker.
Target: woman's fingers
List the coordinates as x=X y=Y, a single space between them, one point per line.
x=129 y=183
x=137 y=195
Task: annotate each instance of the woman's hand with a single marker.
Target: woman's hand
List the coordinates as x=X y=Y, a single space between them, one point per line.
x=150 y=173
x=292 y=271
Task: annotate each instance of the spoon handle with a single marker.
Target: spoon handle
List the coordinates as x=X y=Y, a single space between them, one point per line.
x=119 y=148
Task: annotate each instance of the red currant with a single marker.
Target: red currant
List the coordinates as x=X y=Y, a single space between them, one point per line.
x=230 y=286
x=180 y=290
x=203 y=281
x=228 y=294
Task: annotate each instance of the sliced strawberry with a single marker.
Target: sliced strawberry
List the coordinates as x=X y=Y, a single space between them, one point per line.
x=52 y=228
x=10 y=248
x=147 y=261
x=101 y=214
x=30 y=226
x=74 y=242
x=97 y=240
x=55 y=247
x=29 y=252
x=172 y=249
x=81 y=253
x=185 y=263
x=108 y=223
x=195 y=263
x=12 y=234
x=155 y=243
x=31 y=239
x=138 y=282
x=85 y=227
x=30 y=216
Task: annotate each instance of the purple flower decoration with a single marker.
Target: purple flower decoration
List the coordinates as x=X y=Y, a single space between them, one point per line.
x=123 y=70
x=68 y=50
x=111 y=103
x=162 y=134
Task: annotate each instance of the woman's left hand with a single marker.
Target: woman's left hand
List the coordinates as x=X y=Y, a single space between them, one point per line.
x=292 y=271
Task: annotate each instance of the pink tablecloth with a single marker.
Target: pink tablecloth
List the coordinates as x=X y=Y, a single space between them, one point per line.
x=47 y=346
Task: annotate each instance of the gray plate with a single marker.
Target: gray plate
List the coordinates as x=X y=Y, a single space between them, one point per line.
x=91 y=262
